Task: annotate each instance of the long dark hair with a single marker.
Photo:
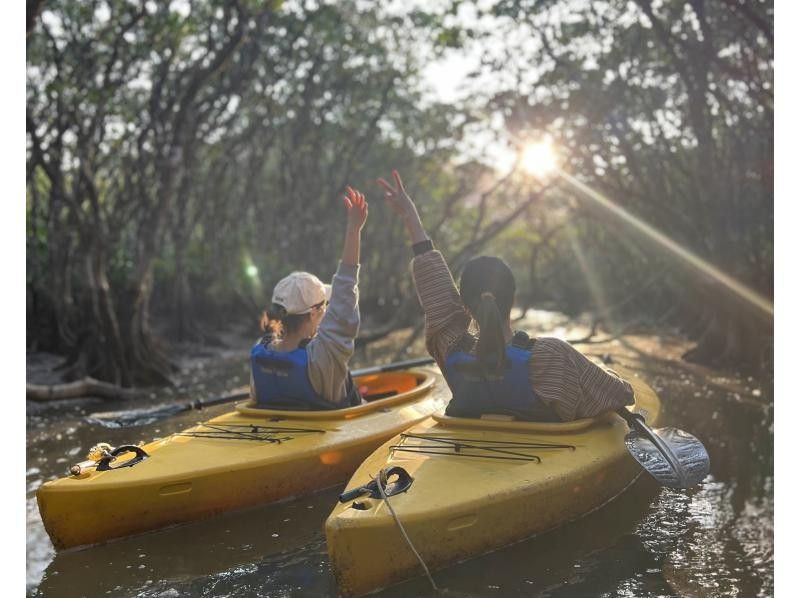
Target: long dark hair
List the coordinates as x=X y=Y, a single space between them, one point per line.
x=487 y=289
x=276 y=321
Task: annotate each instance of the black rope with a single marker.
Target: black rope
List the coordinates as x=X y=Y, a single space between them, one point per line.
x=432 y=451
x=256 y=427
x=490 y=446
x=220 y=436
x=256 y=432
x=505 y=443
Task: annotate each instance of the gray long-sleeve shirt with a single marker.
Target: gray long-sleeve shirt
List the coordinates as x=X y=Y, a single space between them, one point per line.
x=333 y=345
x=331 y=348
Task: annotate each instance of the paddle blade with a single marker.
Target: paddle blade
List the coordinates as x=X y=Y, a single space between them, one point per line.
x=135 y=417
x=690 y=452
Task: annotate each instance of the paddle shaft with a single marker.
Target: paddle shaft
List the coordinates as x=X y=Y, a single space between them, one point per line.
x=161 y=412
x=636 y=422
x=377 y=369
x=393 y=367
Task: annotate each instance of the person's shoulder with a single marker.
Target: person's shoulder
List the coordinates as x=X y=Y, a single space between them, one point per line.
x=522 y=340
x=466 y=343
x=552 y=345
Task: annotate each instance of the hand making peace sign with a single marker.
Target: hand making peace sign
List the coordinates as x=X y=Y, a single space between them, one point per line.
x=396 y=196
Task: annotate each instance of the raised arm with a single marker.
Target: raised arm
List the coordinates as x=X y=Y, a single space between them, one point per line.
x=446 y=320
x=357 y=210
x=330 y=350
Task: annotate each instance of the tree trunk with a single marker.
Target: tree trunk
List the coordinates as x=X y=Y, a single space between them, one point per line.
x=88 y=387
x=150 y=363
x=732 y=335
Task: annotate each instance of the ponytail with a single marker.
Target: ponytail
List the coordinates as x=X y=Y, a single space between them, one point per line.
x=271 y=319
x=277 y=321
x=487 y=289
x=491 y=349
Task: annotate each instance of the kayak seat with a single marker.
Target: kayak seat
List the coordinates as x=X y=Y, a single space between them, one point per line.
x=384 y=385
x=383 y=390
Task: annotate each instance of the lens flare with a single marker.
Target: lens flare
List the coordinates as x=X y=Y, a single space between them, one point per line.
x=763 y=304
x=539 y=159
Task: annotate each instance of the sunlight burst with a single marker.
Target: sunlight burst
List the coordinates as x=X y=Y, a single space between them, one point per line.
x=539 y=159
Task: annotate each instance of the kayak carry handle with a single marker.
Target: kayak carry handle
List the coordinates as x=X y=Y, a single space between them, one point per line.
x=403 y=483
x=104 y=464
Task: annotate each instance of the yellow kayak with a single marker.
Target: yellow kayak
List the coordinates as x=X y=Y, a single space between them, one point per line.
x=476 y=485
x=246 y=457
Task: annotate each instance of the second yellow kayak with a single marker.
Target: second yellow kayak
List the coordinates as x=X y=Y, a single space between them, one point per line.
x=476 y=485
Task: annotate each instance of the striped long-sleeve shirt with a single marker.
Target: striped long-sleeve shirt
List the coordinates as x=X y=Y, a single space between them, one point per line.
x=562 y=377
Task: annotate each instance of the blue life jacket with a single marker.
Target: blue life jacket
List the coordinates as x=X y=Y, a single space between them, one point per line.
x=476 y=392
x=281 y=381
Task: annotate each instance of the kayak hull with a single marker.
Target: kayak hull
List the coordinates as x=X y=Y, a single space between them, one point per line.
x=465 y=504
x=240 y=459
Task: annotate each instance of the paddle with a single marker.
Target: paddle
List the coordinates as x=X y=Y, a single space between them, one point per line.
x=140 y=417
x=675 y=458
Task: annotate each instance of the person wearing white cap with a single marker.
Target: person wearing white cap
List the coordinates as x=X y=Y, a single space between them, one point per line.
x=310 y=330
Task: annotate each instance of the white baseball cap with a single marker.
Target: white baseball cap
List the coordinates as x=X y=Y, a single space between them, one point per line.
x=299 y=292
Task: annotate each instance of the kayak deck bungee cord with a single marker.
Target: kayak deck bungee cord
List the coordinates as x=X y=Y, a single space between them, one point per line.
x=483 y=448
x=245 y=432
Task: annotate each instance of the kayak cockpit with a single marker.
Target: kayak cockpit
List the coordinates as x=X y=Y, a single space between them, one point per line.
x=509 y=423
x=379 y=390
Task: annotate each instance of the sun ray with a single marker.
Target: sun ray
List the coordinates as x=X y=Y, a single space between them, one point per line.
x=752 y=297
x=593 y=281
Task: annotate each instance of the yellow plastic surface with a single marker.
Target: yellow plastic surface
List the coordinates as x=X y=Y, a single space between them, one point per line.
x=488 y=423
x=467 y=502
x=189 y=477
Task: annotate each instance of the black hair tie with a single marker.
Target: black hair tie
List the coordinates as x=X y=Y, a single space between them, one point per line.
x=422 y=247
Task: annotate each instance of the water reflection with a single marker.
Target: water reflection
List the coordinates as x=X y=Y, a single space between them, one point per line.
x=714 y=540
x=587 y=557
x=219 y=551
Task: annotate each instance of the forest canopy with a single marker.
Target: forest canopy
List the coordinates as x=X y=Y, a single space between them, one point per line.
x=183 y=156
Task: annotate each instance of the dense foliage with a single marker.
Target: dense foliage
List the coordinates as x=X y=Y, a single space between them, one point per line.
x=666 y=109
x=184 y=156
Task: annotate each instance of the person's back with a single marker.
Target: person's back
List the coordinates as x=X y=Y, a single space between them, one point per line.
x=477 y=392
x=310 y=328
x=484 y=370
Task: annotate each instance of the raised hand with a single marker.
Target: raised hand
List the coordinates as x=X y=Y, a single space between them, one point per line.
x=357 y=208
x=396 y=196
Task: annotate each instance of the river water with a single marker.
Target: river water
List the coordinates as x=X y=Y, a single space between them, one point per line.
x=713 y=540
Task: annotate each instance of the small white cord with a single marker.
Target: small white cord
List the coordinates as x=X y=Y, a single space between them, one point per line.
x=381 y=477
